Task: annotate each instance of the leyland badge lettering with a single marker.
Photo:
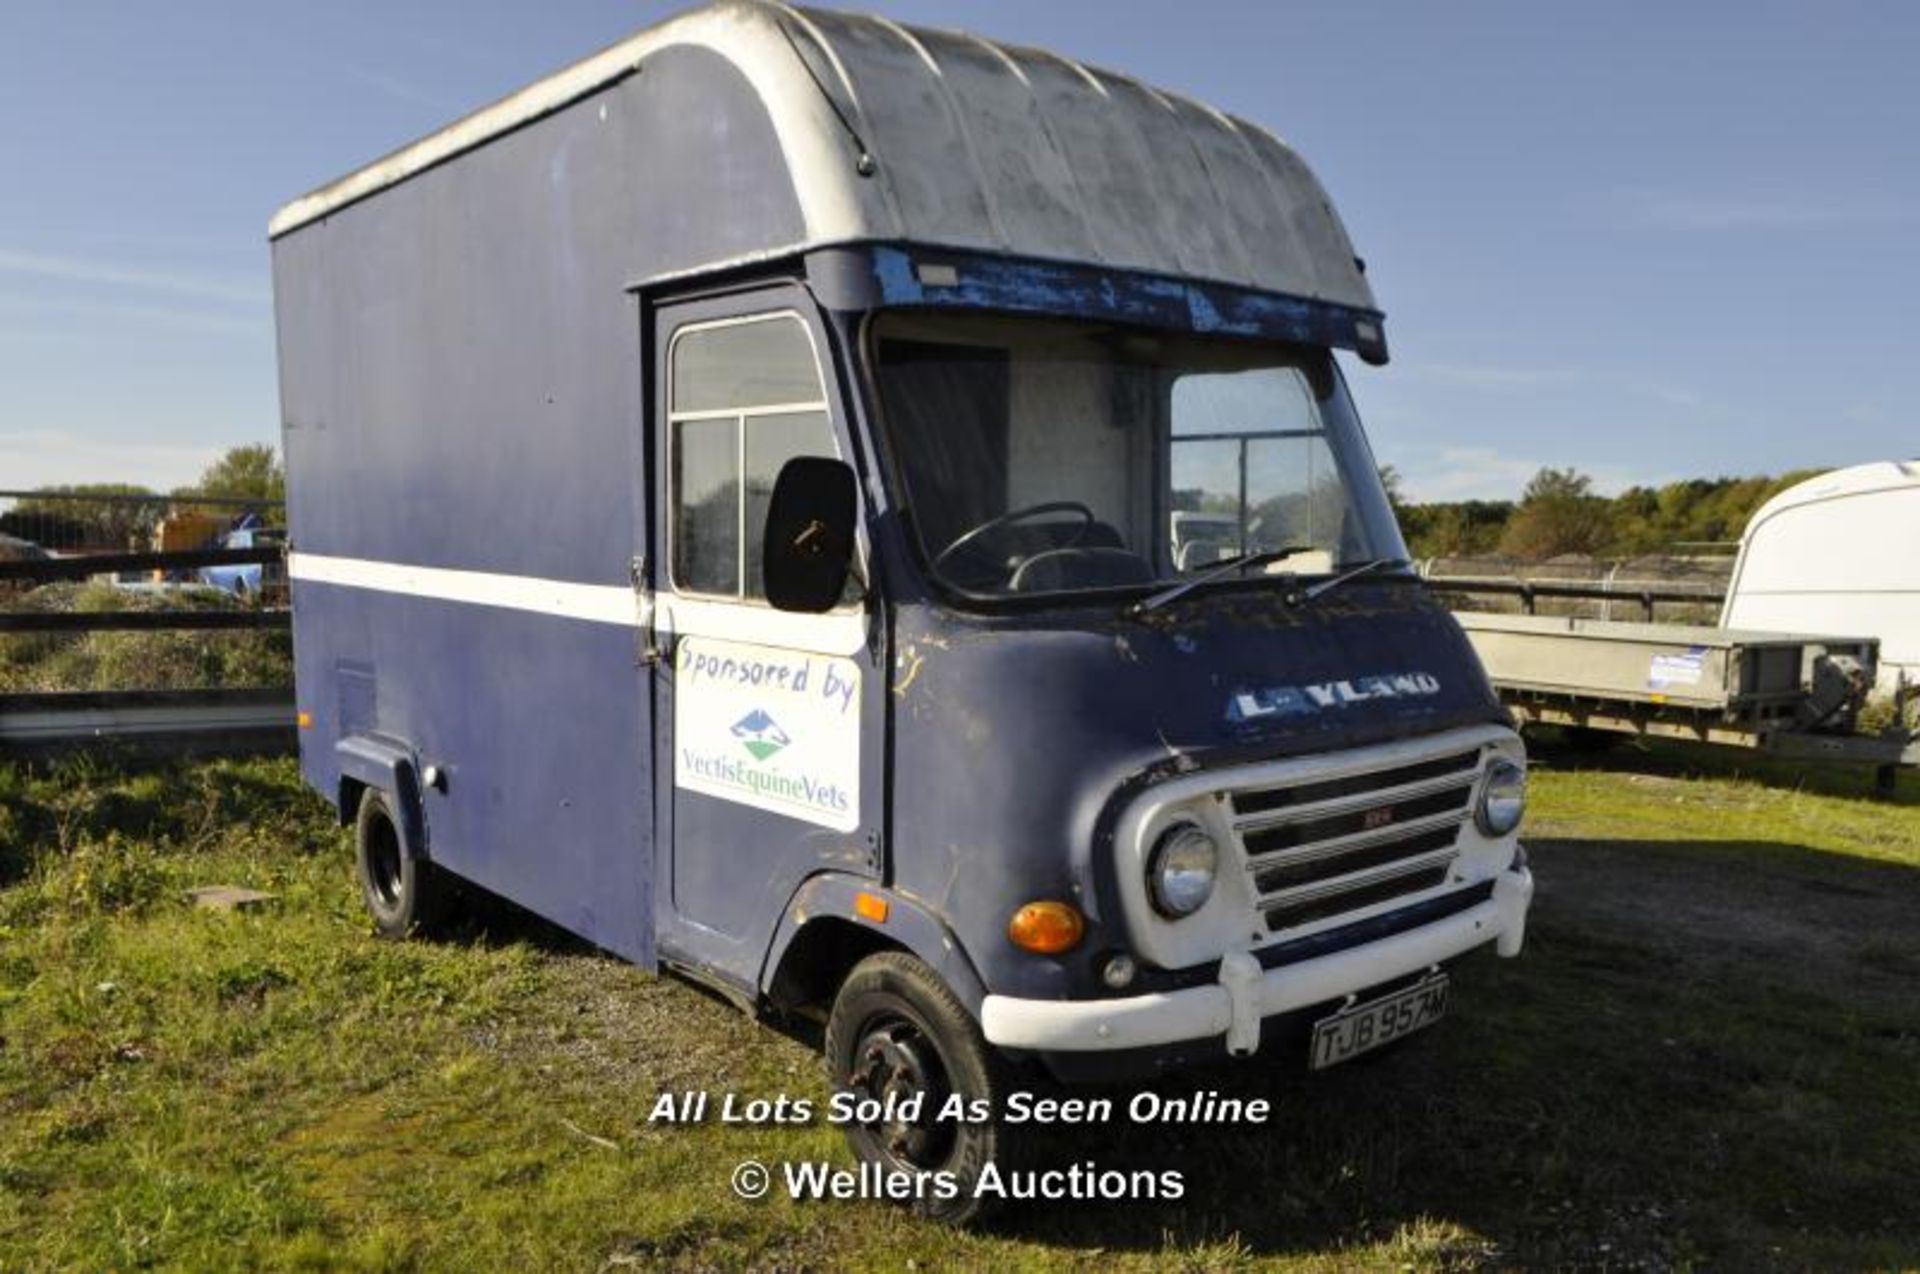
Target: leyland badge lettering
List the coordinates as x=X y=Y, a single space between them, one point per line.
x=1273 y=701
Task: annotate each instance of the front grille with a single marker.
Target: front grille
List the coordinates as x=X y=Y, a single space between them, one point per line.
x=1293 y=875
x=1331 y=846
x=1269 y=841
x=1289 y=914
x=1327 y=789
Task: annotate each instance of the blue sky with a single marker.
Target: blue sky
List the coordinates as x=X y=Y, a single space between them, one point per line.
x=1647 y=240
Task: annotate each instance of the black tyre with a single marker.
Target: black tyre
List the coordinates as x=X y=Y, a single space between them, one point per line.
x=897 y=1030
x=403 y=893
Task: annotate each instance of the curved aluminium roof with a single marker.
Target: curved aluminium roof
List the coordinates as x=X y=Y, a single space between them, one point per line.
x=1860 y=479
x=895 y=133
x=1841 y=567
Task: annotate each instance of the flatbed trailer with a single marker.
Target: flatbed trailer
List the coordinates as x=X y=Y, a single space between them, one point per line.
x=1794 y=695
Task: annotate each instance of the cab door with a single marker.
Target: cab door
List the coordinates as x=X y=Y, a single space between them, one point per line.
x=769 y=721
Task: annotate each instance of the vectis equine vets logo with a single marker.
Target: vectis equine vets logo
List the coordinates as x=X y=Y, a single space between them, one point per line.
x=760 y=734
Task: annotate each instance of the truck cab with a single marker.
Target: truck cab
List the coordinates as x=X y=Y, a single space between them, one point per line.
x=943 y=587
x=1254 y=786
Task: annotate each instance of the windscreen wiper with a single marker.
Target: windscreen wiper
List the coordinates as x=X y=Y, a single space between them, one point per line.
x=1241 y=562
x=1300 y=597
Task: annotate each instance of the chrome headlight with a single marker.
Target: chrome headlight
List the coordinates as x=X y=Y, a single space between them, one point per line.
x=1503 y=797
x=1180 y=870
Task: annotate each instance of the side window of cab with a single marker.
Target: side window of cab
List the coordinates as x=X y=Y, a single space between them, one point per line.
x=745 y=396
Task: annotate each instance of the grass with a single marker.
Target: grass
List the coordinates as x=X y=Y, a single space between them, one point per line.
x=177 y=660
x=1709 y=1057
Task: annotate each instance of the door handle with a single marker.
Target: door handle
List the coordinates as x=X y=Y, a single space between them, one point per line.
x=647 y=647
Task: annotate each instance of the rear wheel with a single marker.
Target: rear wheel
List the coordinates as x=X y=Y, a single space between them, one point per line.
x=403 y=893
x=904 y=1046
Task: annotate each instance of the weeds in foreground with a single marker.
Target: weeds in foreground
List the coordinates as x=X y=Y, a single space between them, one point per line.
x=32 y=663
x=1705 y=1058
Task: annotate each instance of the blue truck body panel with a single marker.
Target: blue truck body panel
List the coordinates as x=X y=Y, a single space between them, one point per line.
x=461 y=379
x=472 y=378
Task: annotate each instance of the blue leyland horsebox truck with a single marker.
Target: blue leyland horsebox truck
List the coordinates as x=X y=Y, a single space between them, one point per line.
x=870 y=519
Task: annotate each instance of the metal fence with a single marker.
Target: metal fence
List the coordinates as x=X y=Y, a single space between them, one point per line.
x=59 y=522
x=1684 y=589
x=141 y=622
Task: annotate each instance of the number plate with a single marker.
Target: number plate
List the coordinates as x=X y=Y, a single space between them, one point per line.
x=1365 y=1027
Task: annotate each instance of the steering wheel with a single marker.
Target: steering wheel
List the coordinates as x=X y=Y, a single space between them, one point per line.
x=971 y=539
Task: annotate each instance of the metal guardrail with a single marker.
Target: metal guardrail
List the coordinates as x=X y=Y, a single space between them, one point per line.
x=167 y=722
x=92 y=521
x=1531 y=591
x=81 y=566
x=141 y=621
x=170 y=722
x=185 y=498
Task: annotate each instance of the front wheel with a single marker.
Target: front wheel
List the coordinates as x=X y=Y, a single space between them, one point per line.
x=912 y=1057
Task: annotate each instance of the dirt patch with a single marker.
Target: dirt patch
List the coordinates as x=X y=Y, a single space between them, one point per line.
x=1797 y=914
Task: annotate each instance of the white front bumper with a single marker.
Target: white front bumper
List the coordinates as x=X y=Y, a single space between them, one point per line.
x=1245 y=994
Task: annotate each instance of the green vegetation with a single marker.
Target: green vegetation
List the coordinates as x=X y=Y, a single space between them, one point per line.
x=1707 y=1058
x=1559 y=513
x=184 y=660
x=252 y=472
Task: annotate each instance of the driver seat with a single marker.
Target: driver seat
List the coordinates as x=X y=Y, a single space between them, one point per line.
x=1082 y=566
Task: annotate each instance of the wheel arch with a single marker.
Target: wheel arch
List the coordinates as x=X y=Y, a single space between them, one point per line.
x=825 y=932
x=387 y=766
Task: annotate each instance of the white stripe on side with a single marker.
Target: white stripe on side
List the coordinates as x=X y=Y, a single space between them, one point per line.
x=598 y=603
x=838 y=633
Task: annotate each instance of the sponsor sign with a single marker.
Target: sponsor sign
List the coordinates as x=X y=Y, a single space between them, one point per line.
x=775 y=729
x=1676 y=670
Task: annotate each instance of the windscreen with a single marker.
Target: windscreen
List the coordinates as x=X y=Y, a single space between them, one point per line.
x=1040 y=456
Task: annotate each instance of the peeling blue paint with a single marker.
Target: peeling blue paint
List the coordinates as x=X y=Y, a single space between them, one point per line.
x=899 y=285
x=1086 y=291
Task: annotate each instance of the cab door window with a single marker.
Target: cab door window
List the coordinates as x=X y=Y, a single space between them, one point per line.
x=745 y=396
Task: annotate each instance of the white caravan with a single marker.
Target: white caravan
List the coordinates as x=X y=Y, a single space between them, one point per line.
x=1839 y=553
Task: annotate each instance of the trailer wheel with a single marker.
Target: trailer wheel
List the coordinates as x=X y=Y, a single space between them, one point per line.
x=897 y=1031
x=403 y=893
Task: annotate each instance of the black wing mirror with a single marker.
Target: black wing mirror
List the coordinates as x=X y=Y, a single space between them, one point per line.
x=808 y=548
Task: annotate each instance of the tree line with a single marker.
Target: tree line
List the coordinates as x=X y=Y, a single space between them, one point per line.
x=1559 y=513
